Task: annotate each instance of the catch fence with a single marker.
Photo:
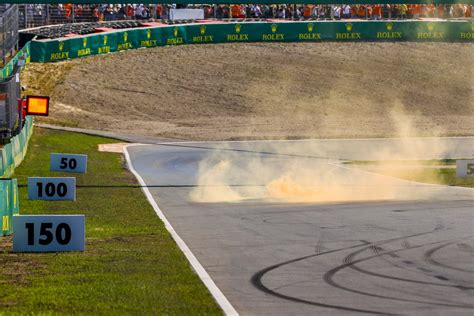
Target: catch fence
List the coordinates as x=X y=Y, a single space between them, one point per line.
x=8 y=32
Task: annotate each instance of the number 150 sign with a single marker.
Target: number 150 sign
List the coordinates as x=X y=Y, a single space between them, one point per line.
x=46 y=233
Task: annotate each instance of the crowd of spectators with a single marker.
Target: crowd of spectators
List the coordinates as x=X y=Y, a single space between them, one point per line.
x=345 y=11
x=40 y=14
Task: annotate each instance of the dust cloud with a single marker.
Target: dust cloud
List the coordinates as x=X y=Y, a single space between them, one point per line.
x=300 y=172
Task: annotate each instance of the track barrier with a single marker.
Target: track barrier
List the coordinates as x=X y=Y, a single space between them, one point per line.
x=12 y=155
x=24 y=53
x=161 y=35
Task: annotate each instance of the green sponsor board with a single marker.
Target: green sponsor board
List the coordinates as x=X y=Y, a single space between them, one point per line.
x=24 y=53
x=12 y=154
x=175 y=35
x=5 y=210
x=14 y=197
x=55 y=50
x=150 y=37
x=9 y=205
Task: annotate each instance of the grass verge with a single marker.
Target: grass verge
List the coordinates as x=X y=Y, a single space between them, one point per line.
x=426 y=171
x=131 y=264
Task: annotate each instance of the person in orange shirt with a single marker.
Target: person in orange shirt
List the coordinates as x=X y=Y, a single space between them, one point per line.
x=68 y=11
x=468 y=13
x=440 y=10
x=159 y=11
x=377 y=13
x=369 y=11
x=361 y=12
x=354 y=10
x=307 y=11
x=431 y=10
x=235 y=11
x=416 y=11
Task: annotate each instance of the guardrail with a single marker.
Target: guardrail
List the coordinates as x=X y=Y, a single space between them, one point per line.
x=160 y=35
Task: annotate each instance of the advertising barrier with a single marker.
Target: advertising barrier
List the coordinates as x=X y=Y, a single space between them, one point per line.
x=24 y=53
x=12 y=155
x=56 y=50
x=6 y=210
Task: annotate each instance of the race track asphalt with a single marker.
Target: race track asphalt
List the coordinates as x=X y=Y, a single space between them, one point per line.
x=411 y=253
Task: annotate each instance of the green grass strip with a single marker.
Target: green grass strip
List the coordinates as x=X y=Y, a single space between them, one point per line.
x=435 y=173
x=131 y=264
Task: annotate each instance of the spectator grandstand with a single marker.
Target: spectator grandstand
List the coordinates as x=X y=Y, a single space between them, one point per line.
x=34 y=15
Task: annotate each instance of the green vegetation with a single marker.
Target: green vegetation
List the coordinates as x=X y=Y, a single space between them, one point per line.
x=131 y=264
x=440 y=162
x=426 y=171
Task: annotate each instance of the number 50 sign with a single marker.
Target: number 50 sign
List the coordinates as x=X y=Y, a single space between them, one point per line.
x=465 y=168
x=68 y=163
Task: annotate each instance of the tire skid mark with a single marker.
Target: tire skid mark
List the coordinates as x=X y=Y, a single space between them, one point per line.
x=257 y=282
x=256 y=279
x=409 y=263
x=428 y=257
x=328 y=277
x=465 y=247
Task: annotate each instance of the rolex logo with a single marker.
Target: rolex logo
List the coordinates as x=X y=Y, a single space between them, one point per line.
x=310 y=27
x=61 y=46
x=274 y=28
x=238 y=27
x=389 y=26
x=148 y=33
x=175 y=31
x=202 y=29
x=84 y=42
x=105 y=40
x=125 y=36
x=349 y=27
x=430 y=27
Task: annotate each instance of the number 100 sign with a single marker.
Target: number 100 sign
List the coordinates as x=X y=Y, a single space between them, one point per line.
x=52 y=188
x=48 y=233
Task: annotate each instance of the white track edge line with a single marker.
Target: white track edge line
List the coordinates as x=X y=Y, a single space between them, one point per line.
x=198 y=268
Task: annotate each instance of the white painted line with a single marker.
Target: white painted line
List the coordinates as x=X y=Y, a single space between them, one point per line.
x=312 y=140
x=198 y=268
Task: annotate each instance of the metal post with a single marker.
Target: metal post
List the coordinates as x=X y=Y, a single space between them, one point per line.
x=25 y=13
x=47 y=14
x=153 y=7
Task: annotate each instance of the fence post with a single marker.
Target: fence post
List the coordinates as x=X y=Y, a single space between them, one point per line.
x=47 y=14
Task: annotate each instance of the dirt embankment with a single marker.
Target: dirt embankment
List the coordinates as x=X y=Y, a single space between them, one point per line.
x=248 y=91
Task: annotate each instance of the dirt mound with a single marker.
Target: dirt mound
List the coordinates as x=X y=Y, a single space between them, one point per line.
x=291 y=90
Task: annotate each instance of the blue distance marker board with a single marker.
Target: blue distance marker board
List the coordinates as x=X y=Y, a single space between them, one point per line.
x=52 y=188
x=68 y=163
x=465 y=168
x=48 y=233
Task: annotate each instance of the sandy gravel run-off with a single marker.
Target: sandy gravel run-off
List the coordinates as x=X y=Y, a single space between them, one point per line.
x=263 y=91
